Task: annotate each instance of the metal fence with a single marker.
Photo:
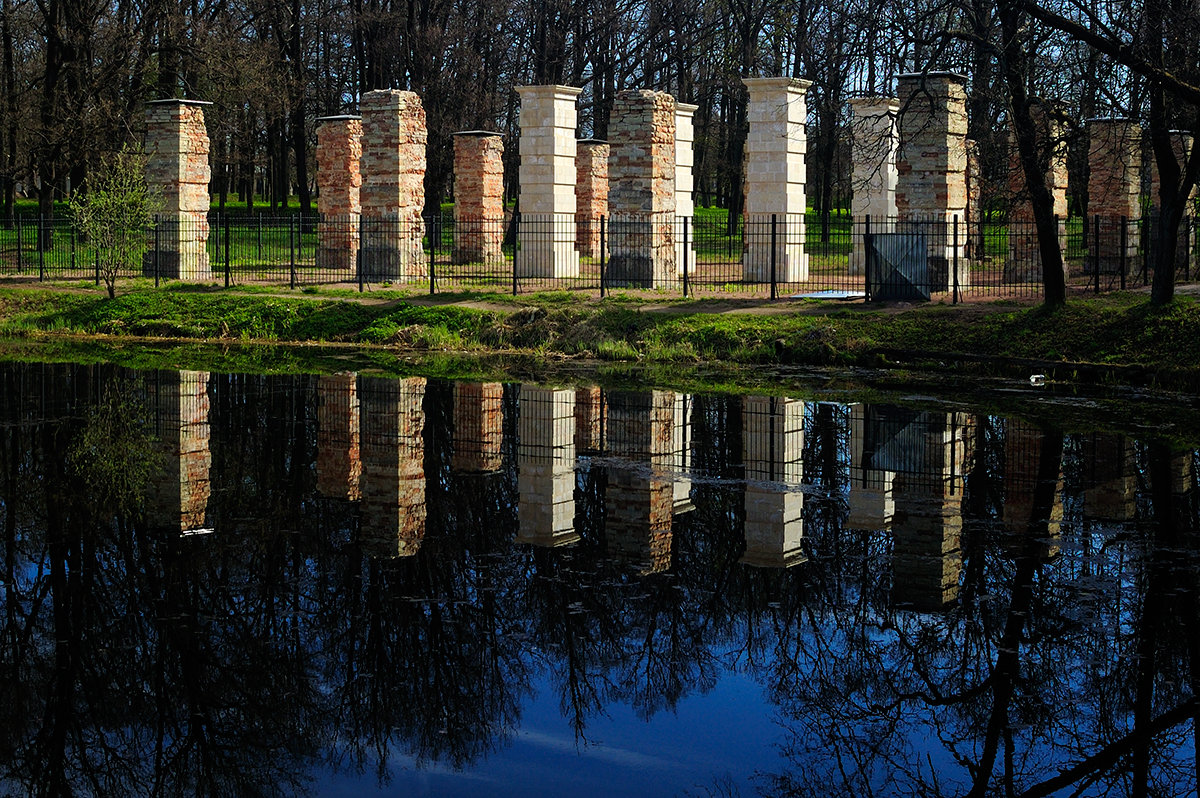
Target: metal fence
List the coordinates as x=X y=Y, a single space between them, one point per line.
x=707 y=254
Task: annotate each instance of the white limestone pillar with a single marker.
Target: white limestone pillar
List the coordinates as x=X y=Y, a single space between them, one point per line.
x=547 y=182
x=873 y=175
x=871 y=502
x=775 y=179
x=685 y=205
x=546 y=466
x=772 y=451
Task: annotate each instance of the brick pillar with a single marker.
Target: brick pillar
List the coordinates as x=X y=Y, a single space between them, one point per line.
x=927 y=526
x=1023 y=444
x=392 y=447
x=339 y=150
x=590 y=417
x=546 y=467
x=872 y=505
x=1109 y=477
x=1024 y=264
x=685 y=206
x=641 y=189
x=1114 y=191
x=177 y=167
x=775 y=179
x=393 y=185
x=478 y=426
x=339 y=465
x=974 y=218
x=931 y=184
x=640 y=498
x=1181 y=145
x=773 y=454
x=873 y=175
x=547 y=179
x=591 y=194
x=478 y=197
x=178 y=498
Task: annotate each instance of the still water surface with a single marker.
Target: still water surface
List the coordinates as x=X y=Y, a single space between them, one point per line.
x=348 y=585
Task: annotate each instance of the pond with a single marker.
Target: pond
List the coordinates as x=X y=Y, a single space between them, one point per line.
x=346 y=585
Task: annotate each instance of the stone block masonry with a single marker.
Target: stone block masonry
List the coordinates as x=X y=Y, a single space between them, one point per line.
x=1114 y=193
x=641 y=189
x=547 y=177
x=393 y=187
x=1181 y=146
x=478 y=197
x=478 y=427
x=178 y=496
x=339 y=465
x=339 y=179
x=177 y=168
x=775 y=179
x=546 y=467
x=1024 y=264
x=931 y=165
x=685 y=184
x=773 y=454
x=591 y=194
x=392 y=448
x=873 y=175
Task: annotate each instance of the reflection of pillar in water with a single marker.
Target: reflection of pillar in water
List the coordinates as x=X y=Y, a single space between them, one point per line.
x=338 y=463
x=871 y=503
x=1110 y=477
x=640 y=499
x=179 y=499
x=589 y=419
x=927 y=526
x=1023 y=445
x=546 y=467
x=393 y=465
x=773 y=453
x=681 y=453
x=478 y=426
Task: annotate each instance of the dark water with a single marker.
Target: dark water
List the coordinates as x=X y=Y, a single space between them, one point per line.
x=240 y=585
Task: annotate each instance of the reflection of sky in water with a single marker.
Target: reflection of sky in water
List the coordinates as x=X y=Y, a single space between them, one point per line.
x=725 y=734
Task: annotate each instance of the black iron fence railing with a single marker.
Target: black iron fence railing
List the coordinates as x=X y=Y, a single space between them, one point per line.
x=768 y=256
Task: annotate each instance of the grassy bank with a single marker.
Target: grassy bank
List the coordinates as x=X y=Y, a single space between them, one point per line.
x=1115 y=337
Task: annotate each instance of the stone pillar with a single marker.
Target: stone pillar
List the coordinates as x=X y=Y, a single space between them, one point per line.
x=177 y=168
x=871 y=503
x=927 y=527
x=339 y=465
x=393 y=185
x=680 y=465
x=1109 y=477
x=873 y=176
x=974 y=218
x=640 y=498
x=591 y=194
x=478 y=426
x=478 y=197
x=1114 y=192
x=775 y=179
x=1024 y=264
x=685 y=205
x=1023 y=445
x=641 y=189
x=931 y=184
x=773 y=453
x=339 y=150
x=392 y=446
x=1181 y=145
x=178 y=498
x=590 y=416
x=547 y=180
x=546 y=467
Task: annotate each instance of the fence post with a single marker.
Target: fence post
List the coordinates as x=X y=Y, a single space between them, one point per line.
x=41 y=233
x=435 y=234
x=773 y=255
x=157 y=249
x=516 y=247
x=866 y=257
x=1124 y=249
x=603 y=254
x=72 y=248
x=358 y=257
x=1096 y=249
x=292 y=251
x=954 y=260
x=226 y=221
x=685 y=257
x=96 y=250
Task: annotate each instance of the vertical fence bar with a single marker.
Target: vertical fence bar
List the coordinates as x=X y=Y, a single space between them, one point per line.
x=292 y=251
x=866 y=256
x=20 y=256
x=603 y=254
x=358 y=264
x=1096 y=250
x=41 y=249
x=72 y=250
x=259 y=234
x=685 y=257
x=954 y=259
x=773 y=255
x=96 y=251
x=435 y=234
x=157 y=249
x=226 y=242
x=1147 y=245
x=1124 y=249
x=516 y=248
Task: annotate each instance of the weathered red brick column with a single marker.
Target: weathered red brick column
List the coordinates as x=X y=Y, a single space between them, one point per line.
x=1114 y=192
x=478 y=426
x=591 y=194
x=392 y=448
x=339 y=150
x=177 y=167
x=339 y=464
x=478 y=197
x=393 y=185
x=178 y=497
x=641 y=189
